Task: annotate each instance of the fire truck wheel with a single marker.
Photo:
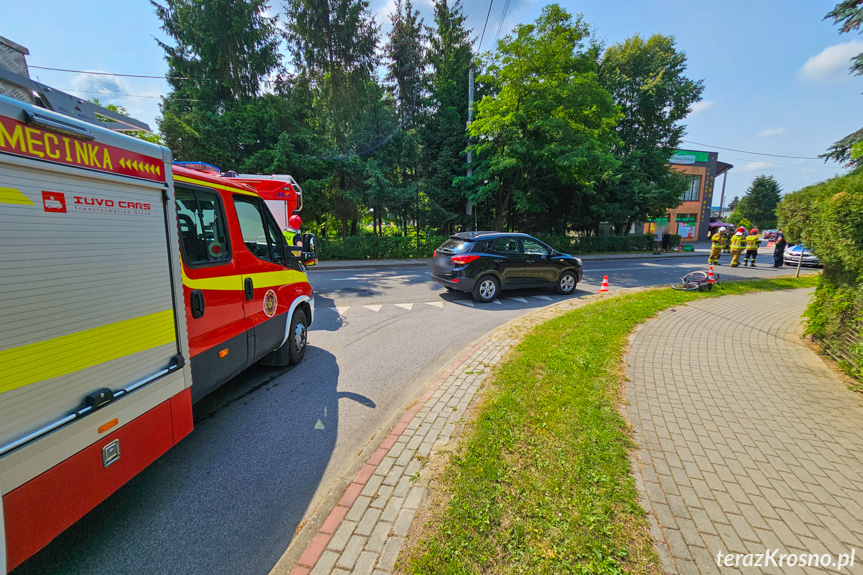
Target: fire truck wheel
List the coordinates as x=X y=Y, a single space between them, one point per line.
x=298 y=337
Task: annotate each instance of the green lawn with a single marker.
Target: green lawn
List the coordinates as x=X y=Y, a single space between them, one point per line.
x=540 y=482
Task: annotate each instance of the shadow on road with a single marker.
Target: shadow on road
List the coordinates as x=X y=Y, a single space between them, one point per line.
x=328 y=322
x=229 y=497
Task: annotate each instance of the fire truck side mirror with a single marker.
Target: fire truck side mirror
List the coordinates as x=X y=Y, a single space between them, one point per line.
x=310 y=250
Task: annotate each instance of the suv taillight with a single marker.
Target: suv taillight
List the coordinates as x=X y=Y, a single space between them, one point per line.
x=461 y=260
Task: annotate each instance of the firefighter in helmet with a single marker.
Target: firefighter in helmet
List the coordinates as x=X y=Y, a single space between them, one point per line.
x=752 y=242
x=718 y=240
x=737 y=246
x=293 y=235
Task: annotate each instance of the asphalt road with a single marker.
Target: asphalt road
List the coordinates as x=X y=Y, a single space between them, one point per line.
x=272 y=443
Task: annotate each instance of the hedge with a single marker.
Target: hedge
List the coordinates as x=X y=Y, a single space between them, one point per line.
x=403 y=248
x=828 y=218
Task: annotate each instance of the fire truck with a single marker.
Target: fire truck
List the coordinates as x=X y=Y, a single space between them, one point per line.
x=130 y=287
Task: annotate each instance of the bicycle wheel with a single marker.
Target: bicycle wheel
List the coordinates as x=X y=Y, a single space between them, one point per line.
x=695 y=277
x=688 y=286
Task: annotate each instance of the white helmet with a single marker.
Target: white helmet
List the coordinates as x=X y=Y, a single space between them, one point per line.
x=722 y=229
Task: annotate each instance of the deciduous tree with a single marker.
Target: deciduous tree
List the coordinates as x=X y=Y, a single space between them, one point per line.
x=647 y=79
x=545 y=134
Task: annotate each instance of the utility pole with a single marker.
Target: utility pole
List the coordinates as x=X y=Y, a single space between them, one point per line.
x=469 y=208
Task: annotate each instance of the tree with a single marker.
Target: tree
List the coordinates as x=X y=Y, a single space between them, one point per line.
x=223 y=54
x=406 y=59
x=333 y=46
x=849 y=15
x=443 y=135
x=758 y=204
x=647 y=80
x=546 y=133
x=732 y=205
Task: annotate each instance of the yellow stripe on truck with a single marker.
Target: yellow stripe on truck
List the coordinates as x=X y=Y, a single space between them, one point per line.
x=70 y=353
x=13 y=196
x=235 y=282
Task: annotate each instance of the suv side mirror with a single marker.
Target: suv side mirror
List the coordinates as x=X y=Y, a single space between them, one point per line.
x=309 y=256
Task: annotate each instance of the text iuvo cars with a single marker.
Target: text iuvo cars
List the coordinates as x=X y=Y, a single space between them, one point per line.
x=483 y=263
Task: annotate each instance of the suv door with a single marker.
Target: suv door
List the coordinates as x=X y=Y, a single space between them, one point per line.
x=214 y=306
x=509 y=261
x=538 y=267
x=268 y=274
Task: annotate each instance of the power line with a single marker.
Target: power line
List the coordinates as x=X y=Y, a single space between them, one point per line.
x=785 y=164
x=490 y=4
x=75 y=90
x=500 y=25
x=754 y=153
x=113 y=74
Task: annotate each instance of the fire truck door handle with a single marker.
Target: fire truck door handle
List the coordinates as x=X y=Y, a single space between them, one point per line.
x=196 y=302
x=250 y=289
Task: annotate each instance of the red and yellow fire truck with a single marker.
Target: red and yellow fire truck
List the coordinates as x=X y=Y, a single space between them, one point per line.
x=129 y=288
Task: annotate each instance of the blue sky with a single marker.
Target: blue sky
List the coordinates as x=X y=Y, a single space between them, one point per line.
x=776 y=75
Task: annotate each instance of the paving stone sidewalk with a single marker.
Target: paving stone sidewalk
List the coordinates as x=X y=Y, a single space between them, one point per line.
x=747 y=441
x=365 y=531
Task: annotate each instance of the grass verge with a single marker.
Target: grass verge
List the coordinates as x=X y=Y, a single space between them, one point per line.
x=540 y=482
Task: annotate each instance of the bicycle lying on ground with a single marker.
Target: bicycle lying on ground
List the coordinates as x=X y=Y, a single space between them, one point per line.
x=697 y=281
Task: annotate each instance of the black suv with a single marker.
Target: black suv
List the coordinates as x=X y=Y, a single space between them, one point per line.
x=483 y=263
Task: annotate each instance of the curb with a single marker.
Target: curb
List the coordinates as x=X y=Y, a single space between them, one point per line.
x=368 y=523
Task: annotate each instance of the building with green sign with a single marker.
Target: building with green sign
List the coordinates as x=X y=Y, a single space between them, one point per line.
x=691 y=219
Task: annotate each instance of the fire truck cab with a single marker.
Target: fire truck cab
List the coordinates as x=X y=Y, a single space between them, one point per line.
x=247 y=295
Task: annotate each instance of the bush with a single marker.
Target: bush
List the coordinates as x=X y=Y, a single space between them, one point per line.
x=370 y=247
x=828 y=218
x=377 y=248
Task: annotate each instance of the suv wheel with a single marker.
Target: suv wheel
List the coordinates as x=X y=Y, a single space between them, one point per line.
x=486 y=289
x=566 y=284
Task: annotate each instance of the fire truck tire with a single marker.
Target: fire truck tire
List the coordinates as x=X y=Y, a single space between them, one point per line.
x=293 y=350
x=297 y=337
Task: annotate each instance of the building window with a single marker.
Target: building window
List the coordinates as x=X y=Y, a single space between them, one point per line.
x=686 y=217
x=691 y=195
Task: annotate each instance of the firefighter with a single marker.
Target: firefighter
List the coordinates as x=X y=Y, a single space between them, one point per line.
x=752 y=242
x=727 y=245
x=737 y=246
x=293 y=235
x=718 y=240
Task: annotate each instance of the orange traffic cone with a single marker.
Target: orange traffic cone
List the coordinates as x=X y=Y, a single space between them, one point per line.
x=710 y=278
x=604 y=287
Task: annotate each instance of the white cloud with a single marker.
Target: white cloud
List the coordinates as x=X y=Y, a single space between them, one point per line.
x=701 y=106
x=832 y=63
x=755 y=166
x=771 y=132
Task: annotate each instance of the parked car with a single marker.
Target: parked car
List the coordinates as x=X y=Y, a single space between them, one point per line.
x=792 y=256
x=484 y=263
x=769 y=235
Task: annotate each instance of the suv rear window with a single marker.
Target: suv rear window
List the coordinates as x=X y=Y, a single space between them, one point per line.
x=456 y=246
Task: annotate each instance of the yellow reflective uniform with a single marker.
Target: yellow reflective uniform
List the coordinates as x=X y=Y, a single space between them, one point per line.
x=736 y=249
x=718 y=240
x=752 y=241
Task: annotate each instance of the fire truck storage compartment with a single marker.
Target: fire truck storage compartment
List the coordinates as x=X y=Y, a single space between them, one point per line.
x=89 y=302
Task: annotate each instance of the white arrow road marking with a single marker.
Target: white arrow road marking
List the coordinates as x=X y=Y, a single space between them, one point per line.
x=374 y=308
x=517 y=298
x=497 y=301
x=466 y=302
x=542 y=297
x=319 y=425
x=407 y=306
x=342 y=309
x=435 y=303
